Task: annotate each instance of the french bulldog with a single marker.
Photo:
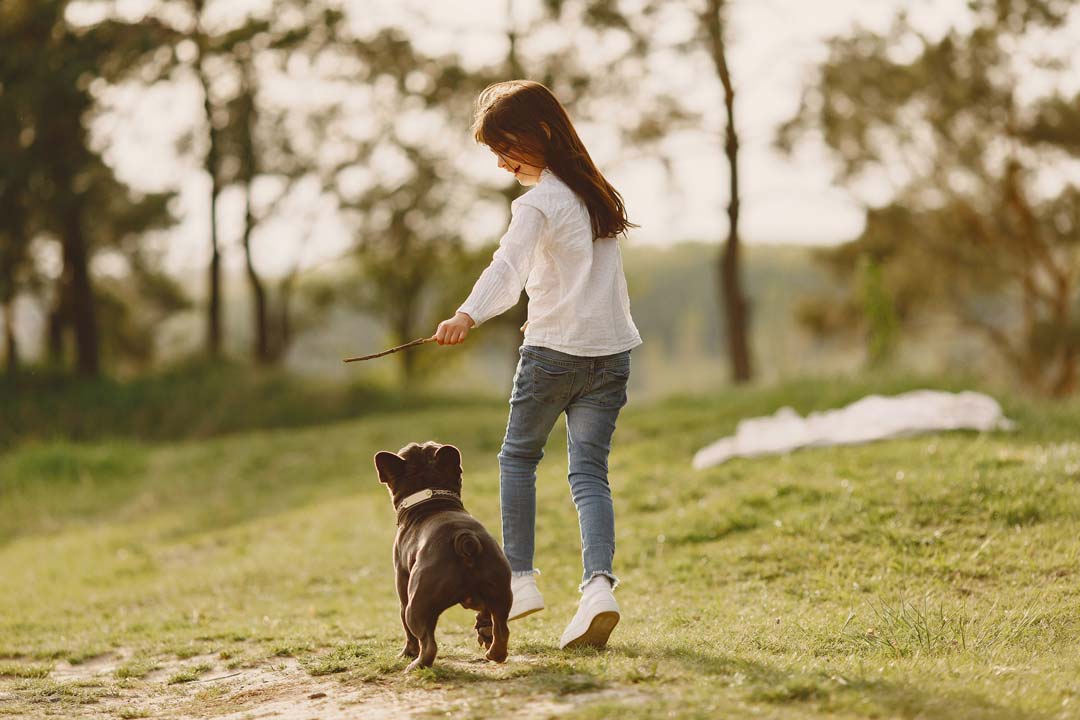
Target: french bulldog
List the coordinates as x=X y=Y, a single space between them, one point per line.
x=443 y=556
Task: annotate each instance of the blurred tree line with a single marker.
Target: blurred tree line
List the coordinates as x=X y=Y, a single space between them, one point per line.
x=307 y=112
x=54 y=184
x=983 y=222
x=410 y=263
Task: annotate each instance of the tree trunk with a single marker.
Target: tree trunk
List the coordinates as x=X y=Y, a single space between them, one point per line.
x=80 y=297
x=57 y=321
x=213 y=339
x=210 y=164
x=282 y=335
x=258 y=292
x=250 y=164
x=731 y=293
x=1065 y=382
x=11 y=349
x=403 y=327
x=12 y=258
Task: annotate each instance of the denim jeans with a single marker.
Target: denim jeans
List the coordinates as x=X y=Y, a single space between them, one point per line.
x=591 y=391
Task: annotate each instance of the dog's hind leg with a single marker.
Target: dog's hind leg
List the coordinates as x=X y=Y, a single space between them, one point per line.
x=421 y=620
x=500 y=635
x=483 y=628
x=412 y=645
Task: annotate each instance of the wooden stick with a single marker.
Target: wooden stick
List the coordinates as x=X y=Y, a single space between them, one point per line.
x=419 y=341
x=219 y=677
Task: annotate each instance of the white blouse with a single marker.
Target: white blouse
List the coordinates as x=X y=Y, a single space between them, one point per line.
x=578 y=303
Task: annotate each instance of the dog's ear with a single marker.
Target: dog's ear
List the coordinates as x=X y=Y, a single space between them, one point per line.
x=390 y=466
x=448 y=458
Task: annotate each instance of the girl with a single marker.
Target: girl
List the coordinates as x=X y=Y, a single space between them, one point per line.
x=562 y=247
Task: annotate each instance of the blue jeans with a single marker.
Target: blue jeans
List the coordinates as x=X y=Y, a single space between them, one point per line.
x=591 y=391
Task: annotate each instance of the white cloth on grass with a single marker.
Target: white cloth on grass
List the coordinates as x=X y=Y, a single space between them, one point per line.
x=872 y=418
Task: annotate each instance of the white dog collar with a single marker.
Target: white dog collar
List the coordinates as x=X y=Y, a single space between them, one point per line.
x=423 y=495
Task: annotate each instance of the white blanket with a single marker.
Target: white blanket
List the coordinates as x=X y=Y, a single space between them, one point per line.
x=872 y=418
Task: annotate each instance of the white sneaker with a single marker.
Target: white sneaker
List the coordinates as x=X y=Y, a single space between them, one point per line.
x=527 y=597
x=597 y=615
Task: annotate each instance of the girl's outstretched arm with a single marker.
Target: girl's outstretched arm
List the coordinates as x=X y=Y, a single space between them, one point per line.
x=499 y=286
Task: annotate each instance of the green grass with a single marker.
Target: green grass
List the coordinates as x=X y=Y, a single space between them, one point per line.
x=21 y=670
x=932 y=577
x=192 y=400
x=189 y=674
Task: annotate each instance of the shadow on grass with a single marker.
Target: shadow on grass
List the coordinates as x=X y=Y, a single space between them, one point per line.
x=775 y=685
x=757 y=682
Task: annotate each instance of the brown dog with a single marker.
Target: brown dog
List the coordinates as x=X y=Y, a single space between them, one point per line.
x=442 y=555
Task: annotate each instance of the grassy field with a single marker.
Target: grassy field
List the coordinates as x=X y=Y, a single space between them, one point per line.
x=249 y=575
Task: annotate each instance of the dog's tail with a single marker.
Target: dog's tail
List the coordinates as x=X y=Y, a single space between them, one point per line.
x=467 y=546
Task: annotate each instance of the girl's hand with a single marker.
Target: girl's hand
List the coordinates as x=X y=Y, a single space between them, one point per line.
x=454 y=330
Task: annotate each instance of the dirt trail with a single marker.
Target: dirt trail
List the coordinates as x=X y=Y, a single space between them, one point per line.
x=283 y=690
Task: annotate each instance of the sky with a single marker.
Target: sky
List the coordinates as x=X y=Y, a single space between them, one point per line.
x=774 y=46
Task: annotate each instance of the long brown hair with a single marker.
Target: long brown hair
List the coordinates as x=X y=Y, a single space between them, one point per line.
x=522 y=120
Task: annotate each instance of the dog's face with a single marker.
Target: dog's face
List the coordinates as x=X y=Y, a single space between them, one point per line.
x=418 y=467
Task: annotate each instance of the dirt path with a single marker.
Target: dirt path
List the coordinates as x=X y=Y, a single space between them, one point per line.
x=283 y=690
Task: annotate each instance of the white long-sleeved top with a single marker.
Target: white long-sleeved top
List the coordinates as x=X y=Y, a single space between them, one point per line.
x=578 y=302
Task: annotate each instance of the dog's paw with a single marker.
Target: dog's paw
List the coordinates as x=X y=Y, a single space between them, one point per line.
x=484 y=638
x=409 y=652
x=484 y=630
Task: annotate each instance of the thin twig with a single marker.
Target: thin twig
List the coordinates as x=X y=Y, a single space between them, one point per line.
x=219 y=677
x=419 y=341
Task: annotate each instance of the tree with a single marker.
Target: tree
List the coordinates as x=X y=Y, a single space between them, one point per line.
x=14 y=221
x=976 y=226
x=734 y=303
x=405 y=249
x=400 y=192
x=247 y=140
x=439 y=88
x=709 y=21
x=205 y=45
x=46 y=73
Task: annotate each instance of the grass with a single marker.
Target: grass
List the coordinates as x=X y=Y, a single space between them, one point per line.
x=191 y=400
x=931 y=577
x=21 y=670
x=189 y=674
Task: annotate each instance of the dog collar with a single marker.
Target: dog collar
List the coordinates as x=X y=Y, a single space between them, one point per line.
x=422 y=496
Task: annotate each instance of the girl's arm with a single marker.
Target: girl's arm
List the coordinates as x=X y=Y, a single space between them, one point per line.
x=499 y=286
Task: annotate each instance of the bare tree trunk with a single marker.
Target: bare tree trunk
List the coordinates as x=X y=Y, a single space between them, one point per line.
x=731 y=293
x=11 y=348
x=1065 y=382
x=250 y=165
x=214 y=306
x=258 y=292
x=408 y=313
x=281 y=337
x=80 y=297
x=213 y=324
x=57 y=321
x=213 y=340
x=12 y=258
x=408 y=361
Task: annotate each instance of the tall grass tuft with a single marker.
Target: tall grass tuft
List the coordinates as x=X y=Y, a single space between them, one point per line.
x=907 y=628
